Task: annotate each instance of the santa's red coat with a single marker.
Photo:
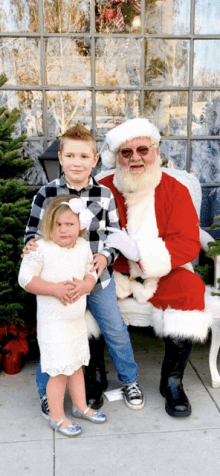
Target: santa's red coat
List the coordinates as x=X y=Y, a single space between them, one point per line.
x=165 y=226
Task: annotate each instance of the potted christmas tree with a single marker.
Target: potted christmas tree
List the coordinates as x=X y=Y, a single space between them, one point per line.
x=15 y=204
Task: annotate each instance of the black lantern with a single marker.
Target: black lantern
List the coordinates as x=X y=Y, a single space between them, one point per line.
x=50 y=163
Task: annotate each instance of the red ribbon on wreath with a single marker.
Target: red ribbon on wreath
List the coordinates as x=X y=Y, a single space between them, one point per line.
x=119 y=19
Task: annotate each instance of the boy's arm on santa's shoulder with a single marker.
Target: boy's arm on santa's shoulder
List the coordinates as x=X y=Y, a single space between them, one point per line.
x=178 y=243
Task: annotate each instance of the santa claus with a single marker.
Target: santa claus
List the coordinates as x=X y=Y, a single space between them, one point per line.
x=158 y=214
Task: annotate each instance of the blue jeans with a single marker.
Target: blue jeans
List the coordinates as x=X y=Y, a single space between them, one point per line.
x=104 y=307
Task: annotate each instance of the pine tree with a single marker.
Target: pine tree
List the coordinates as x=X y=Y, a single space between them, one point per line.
x=15 y=204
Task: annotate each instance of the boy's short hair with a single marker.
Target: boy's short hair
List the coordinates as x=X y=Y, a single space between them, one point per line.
x=78 y=132
x=52 y=213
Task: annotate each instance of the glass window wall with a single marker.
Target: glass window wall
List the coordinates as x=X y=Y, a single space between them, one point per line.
x=101 y=61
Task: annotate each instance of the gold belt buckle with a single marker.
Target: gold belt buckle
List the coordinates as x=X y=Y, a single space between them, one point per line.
x=132 y=278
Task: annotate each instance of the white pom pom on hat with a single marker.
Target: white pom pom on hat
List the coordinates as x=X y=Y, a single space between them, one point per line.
x=128 y=130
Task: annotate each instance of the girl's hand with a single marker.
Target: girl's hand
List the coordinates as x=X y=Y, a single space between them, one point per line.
x=99 y=263
x=30 y=246
x=80 y=287
x=63 y=291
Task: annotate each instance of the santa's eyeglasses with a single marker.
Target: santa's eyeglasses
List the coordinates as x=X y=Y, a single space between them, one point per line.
x=142 y=151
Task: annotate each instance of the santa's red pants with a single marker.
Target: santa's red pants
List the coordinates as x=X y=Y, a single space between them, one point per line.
x=180 y=289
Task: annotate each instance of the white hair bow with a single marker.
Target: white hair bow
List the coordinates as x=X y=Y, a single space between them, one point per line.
x=77 y=206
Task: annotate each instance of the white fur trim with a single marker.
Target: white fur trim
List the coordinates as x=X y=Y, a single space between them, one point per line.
x=93 y=329
x=128 y=130
x=141 y=292
x=108 y=159
x=142 y=228
x=145 y=291
x=192 y=325
x=155 y=258
x=122 y=285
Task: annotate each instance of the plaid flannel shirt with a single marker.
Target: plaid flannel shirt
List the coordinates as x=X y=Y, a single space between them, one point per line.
x=100 y=202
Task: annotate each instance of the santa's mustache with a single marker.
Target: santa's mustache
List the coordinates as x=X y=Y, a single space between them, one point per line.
x=127 y=182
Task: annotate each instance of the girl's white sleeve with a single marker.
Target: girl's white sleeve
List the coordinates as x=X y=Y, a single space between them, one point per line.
x=88 y=263
x=31 y=266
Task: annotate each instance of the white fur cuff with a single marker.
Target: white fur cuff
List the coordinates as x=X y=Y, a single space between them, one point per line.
x=93 y=329
x=193 y=325
x=155 y=258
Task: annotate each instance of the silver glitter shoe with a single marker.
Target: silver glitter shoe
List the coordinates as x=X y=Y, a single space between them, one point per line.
x=71 y=430
x=97 y=417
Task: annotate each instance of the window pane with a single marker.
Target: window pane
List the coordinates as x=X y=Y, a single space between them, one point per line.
x=32 y=150
x=173 y=154
x=68 y=62
x=167 y=110
x=19 y=16
x=112 y=107
x=116 y=16
x=66 y=16
x=167 y=17
x=207 y=17
x=19 y=61
x=29 y=103
x=167 y=62
x=210 y=205
x=206 y=113
x=118 y=62
x=65 y=108
x=206 y=63
x=205 y=163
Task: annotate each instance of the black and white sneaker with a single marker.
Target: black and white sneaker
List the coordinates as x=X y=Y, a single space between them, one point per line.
x=133 y=396
x=44 y=407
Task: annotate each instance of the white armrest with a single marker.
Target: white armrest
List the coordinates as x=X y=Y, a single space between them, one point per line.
x=205 y=238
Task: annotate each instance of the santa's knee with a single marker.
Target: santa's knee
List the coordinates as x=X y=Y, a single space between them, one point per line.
x=189 y=289
x=194 y=288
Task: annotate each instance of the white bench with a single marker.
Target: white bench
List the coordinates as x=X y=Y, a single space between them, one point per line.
x=140 y=315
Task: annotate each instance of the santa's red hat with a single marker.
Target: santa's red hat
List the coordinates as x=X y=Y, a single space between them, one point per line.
x=128 y=130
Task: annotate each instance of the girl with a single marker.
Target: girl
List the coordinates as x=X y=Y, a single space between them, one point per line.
x=58 y=272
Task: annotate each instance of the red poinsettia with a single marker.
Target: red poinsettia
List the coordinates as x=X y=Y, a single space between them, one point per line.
x=14 y=338
x=17 y=346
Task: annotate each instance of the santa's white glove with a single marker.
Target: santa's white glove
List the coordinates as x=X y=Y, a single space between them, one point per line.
x=120 y=240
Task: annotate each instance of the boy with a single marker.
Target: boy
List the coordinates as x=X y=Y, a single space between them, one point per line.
x=78 y=156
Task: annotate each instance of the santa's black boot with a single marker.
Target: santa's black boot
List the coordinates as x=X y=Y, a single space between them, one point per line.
x=95 y=373
x=177 y=353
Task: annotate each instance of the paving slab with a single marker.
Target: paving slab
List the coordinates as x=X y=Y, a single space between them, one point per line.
x=153 y=417
x=178 y=453
x=27 y=458
x=200 y=362
x=20 y=413
x=145 y=442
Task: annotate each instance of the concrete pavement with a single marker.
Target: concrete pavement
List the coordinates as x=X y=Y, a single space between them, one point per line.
x=147 y=442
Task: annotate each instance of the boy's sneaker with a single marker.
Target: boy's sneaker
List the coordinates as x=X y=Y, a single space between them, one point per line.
x=44 y=407
x=133 y=396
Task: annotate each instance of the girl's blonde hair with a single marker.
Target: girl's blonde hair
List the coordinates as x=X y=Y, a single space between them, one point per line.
x=52 y=213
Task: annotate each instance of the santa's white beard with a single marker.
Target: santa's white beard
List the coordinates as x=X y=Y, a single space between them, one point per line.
x=129 y=183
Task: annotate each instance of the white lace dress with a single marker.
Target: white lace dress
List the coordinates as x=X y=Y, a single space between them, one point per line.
x=61 y=330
